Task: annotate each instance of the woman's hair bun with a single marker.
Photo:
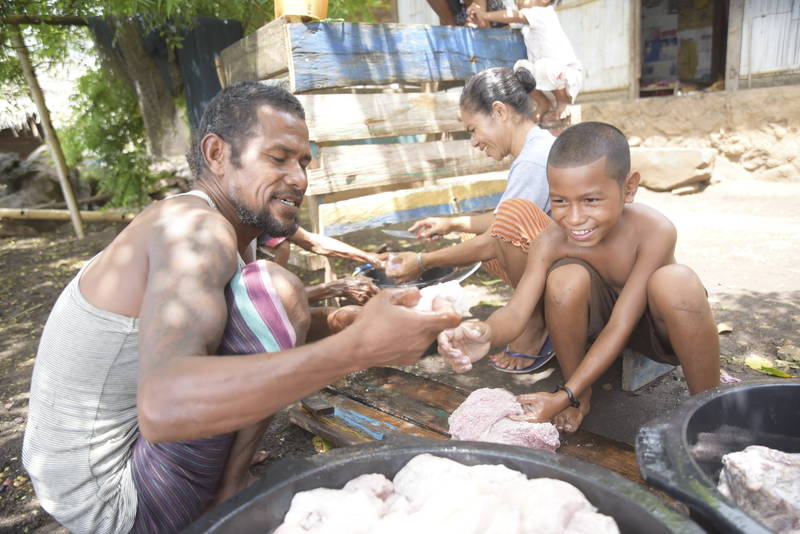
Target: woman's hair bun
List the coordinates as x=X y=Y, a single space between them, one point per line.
x=524 y=75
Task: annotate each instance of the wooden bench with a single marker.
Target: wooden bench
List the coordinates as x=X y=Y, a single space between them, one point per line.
x=378 y=403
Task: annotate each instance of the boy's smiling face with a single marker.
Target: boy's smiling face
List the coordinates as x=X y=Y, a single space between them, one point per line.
x=586 y=202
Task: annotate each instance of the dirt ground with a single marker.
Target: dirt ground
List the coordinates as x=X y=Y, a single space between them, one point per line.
x=741 y=237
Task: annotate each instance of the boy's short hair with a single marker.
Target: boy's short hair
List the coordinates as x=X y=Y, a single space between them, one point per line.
x=587 y=142
x=231 y=115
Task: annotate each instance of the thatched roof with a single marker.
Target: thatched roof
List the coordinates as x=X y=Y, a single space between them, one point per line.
x=58 y=84
x=17 y=113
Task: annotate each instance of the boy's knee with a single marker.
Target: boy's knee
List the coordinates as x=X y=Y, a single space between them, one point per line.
x=567 y=284
x=675 y=281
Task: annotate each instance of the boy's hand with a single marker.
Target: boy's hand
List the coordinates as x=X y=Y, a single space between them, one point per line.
x=475 y=11
x=539 y=407
x=464 y=344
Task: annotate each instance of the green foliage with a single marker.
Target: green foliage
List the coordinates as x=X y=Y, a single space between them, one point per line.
x=107 y=127
x=107 y=134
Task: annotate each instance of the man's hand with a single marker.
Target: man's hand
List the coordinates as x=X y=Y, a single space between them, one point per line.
x=467 y=343
x=431 y=228
x=389 y=331
x=343 y=317
x=539 y=407
x=402 y=266
x=356 y=288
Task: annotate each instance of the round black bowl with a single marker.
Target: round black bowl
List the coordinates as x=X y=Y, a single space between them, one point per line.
x=262 y=507
x=681 y=452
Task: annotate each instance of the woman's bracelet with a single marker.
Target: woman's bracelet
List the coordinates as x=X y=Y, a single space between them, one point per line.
x=419 y=262
x=575 y=403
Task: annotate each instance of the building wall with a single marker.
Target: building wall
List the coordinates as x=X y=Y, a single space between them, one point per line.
x=770 y=37
x=600 y=32
x=415 y=12
x=755 y=132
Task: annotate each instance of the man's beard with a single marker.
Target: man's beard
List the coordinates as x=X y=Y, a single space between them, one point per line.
x=265 y=222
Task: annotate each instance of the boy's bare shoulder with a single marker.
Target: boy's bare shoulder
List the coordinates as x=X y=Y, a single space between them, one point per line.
x=649 y=220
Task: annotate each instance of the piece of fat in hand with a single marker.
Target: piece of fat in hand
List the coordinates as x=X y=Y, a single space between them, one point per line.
x=451 y=291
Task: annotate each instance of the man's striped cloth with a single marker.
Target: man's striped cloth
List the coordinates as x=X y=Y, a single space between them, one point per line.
x=175 y=481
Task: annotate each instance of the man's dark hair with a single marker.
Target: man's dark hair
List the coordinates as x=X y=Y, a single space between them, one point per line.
x=587 y=142
x=231 y=114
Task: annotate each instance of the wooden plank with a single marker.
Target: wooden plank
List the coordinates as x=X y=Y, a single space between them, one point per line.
x=635 y=59
x=353 y=422
x=345 y=54
x=358 y=166
x=335 y=117
x=733 y=60
x=260 y=55
x=597 y=450
x=473 y=193
x=425 y=402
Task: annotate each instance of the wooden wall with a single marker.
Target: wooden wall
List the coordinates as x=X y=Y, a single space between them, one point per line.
x=770 y=37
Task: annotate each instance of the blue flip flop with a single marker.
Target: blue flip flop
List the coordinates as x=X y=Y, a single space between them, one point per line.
x=544 y=356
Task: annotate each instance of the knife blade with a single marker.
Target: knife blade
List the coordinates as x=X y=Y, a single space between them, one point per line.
x=403 y=234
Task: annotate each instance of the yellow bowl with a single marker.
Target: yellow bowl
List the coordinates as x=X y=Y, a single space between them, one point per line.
x=316 y=9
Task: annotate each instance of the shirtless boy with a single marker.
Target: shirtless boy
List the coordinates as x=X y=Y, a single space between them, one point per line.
x=607 y=272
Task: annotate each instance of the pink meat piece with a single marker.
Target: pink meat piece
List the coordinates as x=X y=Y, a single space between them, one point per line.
x=765 y=483
x=524 y=434
x=483 y=416
x=483 y=408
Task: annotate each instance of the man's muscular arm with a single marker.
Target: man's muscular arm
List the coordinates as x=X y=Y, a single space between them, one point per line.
x=185 y=393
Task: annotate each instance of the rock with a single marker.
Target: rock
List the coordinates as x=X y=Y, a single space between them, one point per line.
x=664 y=169
x=782 y=173
x=789 y=353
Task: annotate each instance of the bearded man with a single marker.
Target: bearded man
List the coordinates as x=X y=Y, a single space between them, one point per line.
x=163 y=358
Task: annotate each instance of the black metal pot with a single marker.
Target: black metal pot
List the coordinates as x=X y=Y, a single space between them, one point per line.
x=681 y=452
x=262 y=507
x=435 y=275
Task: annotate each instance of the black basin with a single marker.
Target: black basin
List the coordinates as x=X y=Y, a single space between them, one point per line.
x=427 y=278
x=261 y=507
x=681 y=452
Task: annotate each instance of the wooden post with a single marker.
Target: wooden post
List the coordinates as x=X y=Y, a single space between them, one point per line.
x=50 y=134
x=733 y=59
x=636 y=51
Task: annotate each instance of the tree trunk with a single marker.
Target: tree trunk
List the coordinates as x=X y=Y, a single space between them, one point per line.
x=165 y=127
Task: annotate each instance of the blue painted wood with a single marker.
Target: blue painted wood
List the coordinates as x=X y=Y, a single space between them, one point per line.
x=326 y=55
x=481 y=203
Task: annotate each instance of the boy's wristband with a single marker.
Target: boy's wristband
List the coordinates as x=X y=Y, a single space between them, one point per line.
x=575 y=403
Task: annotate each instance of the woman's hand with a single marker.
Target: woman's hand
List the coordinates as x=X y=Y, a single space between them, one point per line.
x=401 y=266
x=431 y=228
